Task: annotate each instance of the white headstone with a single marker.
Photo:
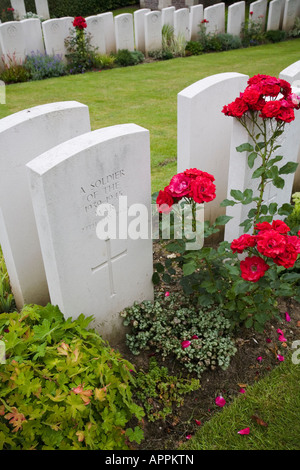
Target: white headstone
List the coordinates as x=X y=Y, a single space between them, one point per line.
x=196 y=16
x=124 y=32
x=33 y=36
x=153 y=31
x=291 y=10
x=164 y=4
x=182 y=23
x=109 y=31
x=1 y=54
x=236 y=18
x=291 y=73
x=55 y=32
x=240 y=174
x=215 y=15
x=24 y=136
x=87 y=274
x=19 y=9
x=42 y=9
x=13 y=41
x=139 y=28
x=167 y=16
x=95 y=27
x=204 y=132
x=258 y=12
x=274 y=16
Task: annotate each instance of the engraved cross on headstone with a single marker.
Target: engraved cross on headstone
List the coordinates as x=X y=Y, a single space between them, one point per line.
x=109 y=264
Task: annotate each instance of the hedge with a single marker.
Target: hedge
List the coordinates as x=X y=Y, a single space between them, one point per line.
x=59 y=8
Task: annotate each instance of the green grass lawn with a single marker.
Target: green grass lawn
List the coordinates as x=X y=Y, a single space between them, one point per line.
x=146 y=94
x=274 y=399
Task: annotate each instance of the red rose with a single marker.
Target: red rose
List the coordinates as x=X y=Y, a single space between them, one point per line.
x=236 y=109
x=202 y=189
x=256 y=79
x=295 y=241
x=194 y=173
x=277 y=225
x=286 y=88
x=271 y=109
x=180 y=185
x=79 y=22
x=270 y=243
x=285 y=114
x=251 y=95
x=244 y=241
x=280 y=226
x=253 y=268
x=270 y=86
x=288 y=257
x=263 y=226
x=164 y=202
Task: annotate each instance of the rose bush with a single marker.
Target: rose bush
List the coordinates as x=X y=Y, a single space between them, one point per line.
x=246 y=289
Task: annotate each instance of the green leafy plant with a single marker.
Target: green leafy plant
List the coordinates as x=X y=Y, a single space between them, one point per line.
x=62 y=386
x=172 y=44
x=125 y=58
x=30 y=15
x=159 y=392
x=293 y=219
x=228 y=41
x=170 y=321
x=275 y=36
x=73 y=8
x=193 y=48
x=103 y=61
x=7 y=14
x=295 y=31
x=252 y=33
x=14 y=70
x=160 y=54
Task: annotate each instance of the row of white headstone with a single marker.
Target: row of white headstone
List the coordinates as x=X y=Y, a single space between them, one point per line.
x=55 y=174
x=142 y=30
x=41 y=6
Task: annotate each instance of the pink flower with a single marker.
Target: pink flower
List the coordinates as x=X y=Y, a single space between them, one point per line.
x=167 y=294
x=282 y=338
x=188 y=436
x=180 y=185
x=279 y=331
x=220 y=401
x=242 y=390
x=185 y=344
x=259 y=358
x=244 y=431
x=280 y=358
x=268 y=340
x=195 y=337
x=198 y=422
x=287 y=317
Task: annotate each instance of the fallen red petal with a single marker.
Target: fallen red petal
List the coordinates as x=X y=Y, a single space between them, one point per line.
x=244 y=431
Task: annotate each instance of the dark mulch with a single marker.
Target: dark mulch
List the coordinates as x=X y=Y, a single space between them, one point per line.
x=243 y=371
